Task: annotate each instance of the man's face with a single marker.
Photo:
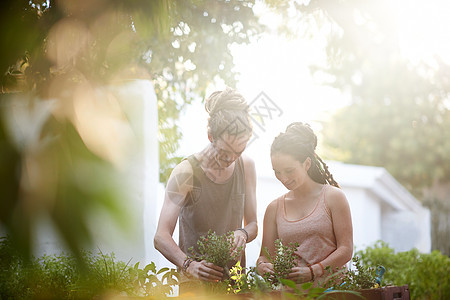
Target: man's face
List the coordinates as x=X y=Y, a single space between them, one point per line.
x=228 y=148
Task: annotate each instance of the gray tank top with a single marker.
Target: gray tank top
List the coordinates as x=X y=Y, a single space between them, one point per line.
x=210 y=205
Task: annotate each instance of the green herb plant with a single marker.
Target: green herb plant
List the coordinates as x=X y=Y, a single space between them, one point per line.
x=101 y=274
x=151 y=282
x=360 y=277
x=216 y=249
x=242 y=280
x=283 y=261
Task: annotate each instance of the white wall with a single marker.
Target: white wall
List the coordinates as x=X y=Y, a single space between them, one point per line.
x=364 y=217
x=138 y=167
x=404 y=230
x=139 y=102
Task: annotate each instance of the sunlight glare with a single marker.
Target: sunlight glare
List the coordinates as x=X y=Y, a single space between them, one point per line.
x=424 y=30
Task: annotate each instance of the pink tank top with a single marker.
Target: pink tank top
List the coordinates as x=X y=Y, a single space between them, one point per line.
x=314 y=232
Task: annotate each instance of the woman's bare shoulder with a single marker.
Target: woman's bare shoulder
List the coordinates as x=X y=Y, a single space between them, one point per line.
x=272 y=207
x=335 y=197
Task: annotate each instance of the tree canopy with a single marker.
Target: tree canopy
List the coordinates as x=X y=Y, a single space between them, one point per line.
x=400 y=113
x=52 y=49
x=399 y=110
x=182 y=46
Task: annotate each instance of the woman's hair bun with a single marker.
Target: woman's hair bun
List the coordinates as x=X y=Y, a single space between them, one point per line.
x=303 y=133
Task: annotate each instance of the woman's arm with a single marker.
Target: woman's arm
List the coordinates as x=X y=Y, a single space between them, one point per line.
x=343 y=231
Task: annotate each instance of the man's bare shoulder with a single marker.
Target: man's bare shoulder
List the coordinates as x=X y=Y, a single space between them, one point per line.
x=249 y=163
x=184 y=167
x=180 y=183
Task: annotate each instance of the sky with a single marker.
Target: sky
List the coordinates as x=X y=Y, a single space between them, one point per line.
x=279 y=68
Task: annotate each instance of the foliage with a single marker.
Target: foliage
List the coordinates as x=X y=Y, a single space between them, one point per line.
x=283 y=261
x=245 y=281
x=63 y=277
x=182 y=46
x=147 y=283
x=216 y=249
x=55 y=49
x=101 y=274
x=64 y=178
x=407 y=136
x=425 y=273
x=357 y=278
x=383 y=85
x=13 y=273
x=366 y=62
x=308 y=291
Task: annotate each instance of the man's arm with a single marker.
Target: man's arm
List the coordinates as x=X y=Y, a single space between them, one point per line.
x=250 y=214
x=179 y=184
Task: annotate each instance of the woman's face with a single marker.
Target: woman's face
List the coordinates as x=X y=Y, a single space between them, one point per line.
x=289 y=171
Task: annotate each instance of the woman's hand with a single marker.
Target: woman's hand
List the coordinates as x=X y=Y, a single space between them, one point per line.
x=206 y=271
x=299 y=274
x=264 y=267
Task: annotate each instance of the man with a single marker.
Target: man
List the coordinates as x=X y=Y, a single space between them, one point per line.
x=214 y=189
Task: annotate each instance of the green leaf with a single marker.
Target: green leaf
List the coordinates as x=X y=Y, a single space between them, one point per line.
x=136 y=265
x=315 y=291
x=288 y=283
x=150 y=267
x=306 y=285
x=163 y=270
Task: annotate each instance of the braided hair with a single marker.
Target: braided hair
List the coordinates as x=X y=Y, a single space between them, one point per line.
x=228 y=113
x=300 y=142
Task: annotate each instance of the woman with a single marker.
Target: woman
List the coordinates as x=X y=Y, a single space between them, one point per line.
x=314 y=212
x=213 y=189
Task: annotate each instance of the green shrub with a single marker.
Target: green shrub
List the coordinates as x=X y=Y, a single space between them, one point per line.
x=65 y=277
x=146 y=281
x=13 y=273
x=425 y=273
x=101 y=274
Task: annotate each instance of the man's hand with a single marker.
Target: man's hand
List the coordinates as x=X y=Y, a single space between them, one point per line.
x=264 y=267
x=240 y=240
x=206 y=271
